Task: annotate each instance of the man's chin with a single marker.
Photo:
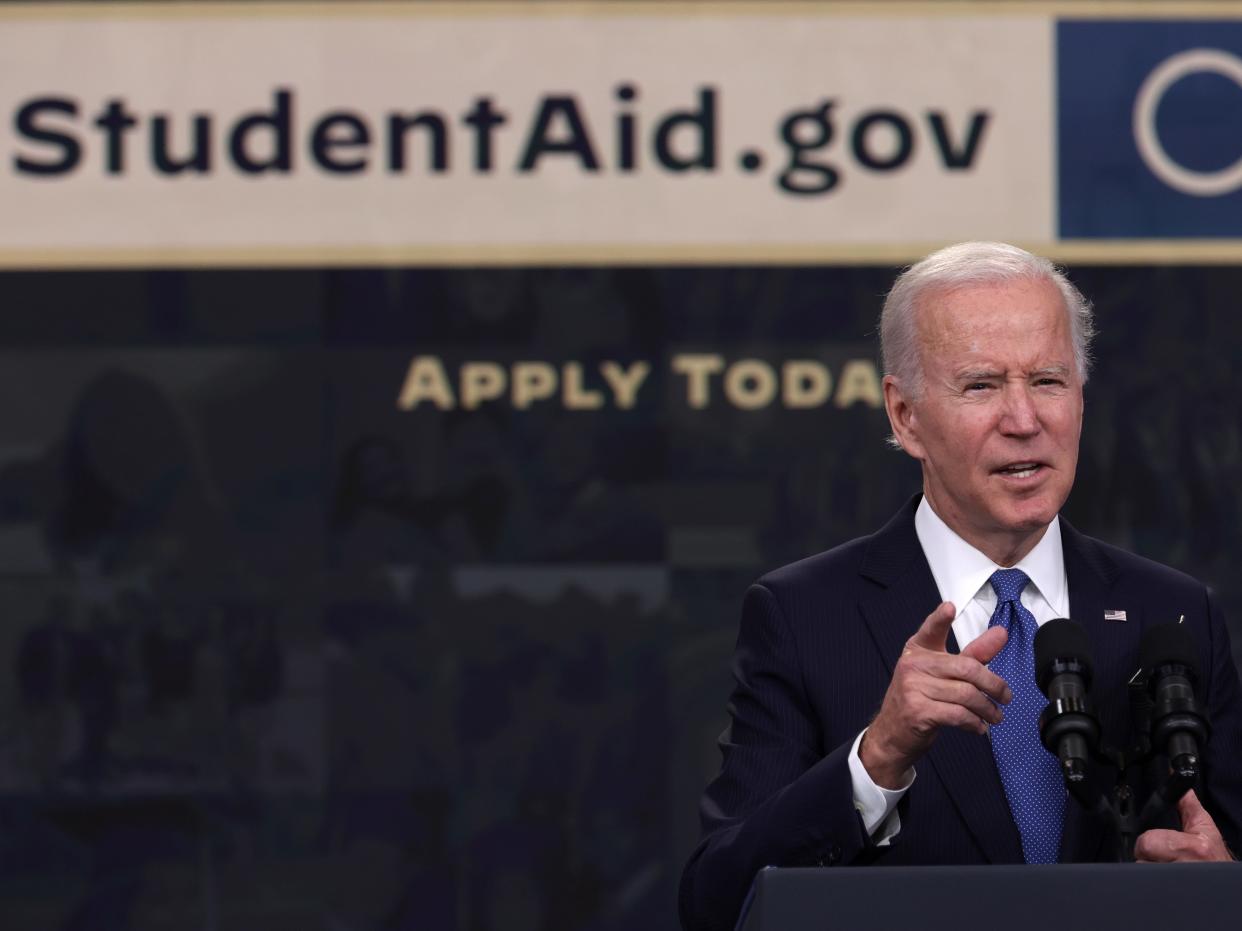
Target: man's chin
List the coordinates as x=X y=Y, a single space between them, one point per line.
x=1029 y=516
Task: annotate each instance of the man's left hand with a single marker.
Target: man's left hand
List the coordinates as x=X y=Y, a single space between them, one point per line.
x=1197 y=840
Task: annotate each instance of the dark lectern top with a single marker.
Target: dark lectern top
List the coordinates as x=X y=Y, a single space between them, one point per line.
x=1064 y=897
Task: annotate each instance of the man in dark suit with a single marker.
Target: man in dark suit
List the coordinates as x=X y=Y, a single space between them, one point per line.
x=931 y=620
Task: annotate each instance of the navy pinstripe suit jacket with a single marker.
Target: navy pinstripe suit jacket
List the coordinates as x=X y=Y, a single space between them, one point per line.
x=815 y=652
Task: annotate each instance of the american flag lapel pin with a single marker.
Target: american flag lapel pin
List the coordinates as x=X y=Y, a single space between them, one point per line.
x=1114 y=615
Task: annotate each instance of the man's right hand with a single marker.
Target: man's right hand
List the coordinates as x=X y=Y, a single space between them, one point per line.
x=931 y=689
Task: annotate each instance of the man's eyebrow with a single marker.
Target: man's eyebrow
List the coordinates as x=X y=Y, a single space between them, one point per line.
x=978 y=374
x=985 y=374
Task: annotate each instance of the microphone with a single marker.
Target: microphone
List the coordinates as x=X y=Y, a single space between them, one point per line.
x=1068 y=727
x=1168 y=657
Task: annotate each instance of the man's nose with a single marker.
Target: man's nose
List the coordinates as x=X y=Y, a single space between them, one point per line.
x=1019 y=417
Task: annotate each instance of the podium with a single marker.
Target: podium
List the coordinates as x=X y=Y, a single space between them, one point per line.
x=1067 y=897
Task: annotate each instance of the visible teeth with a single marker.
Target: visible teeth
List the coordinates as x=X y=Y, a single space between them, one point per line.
x=1022 y=471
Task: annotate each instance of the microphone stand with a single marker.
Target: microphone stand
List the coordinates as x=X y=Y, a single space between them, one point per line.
x=1118 y=807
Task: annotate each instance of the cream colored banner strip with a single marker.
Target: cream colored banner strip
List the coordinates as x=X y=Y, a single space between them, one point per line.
x=439 y=133
x=396 y=135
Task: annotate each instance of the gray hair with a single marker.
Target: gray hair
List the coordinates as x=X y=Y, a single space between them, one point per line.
x=963 y=265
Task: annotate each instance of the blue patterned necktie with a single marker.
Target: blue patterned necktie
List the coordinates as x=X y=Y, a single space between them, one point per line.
x=1030 y=774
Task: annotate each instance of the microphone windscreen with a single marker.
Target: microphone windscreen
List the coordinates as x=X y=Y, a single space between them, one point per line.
x=1060 y=639
x=1166 y=644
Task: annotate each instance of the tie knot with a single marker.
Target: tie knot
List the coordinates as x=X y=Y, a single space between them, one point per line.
x=1008 y=584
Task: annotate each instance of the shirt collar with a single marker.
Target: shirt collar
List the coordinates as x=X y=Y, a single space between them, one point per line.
x=960 y=570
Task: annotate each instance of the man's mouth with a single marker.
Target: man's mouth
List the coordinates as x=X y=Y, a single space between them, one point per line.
x=1020 y=469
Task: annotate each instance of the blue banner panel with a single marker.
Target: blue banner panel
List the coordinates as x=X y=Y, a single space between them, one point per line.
x=1149 y=122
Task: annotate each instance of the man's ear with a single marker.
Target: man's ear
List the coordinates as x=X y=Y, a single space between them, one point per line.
x=902 y=417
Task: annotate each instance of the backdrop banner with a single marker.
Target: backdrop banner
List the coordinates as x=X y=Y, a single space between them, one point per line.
x=441 y=133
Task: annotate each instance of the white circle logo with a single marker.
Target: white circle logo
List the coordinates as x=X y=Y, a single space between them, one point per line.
x=1152 y=91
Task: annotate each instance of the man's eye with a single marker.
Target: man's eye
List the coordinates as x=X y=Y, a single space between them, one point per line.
x=978 y=386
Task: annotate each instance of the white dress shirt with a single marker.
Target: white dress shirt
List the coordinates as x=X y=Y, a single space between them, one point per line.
x=961 y=573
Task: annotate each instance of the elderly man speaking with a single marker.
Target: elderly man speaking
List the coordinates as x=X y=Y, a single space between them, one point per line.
x=885 y=708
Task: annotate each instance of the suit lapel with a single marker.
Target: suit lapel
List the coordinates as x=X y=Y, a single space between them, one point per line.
x=1090 y=575
x=961 y=762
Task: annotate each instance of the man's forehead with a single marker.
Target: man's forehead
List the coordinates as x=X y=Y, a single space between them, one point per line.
x=1033 y=303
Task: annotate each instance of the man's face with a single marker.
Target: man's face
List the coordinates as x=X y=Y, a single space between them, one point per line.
x=997 y=424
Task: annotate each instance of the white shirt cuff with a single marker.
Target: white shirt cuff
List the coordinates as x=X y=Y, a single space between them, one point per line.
x=876 y=804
